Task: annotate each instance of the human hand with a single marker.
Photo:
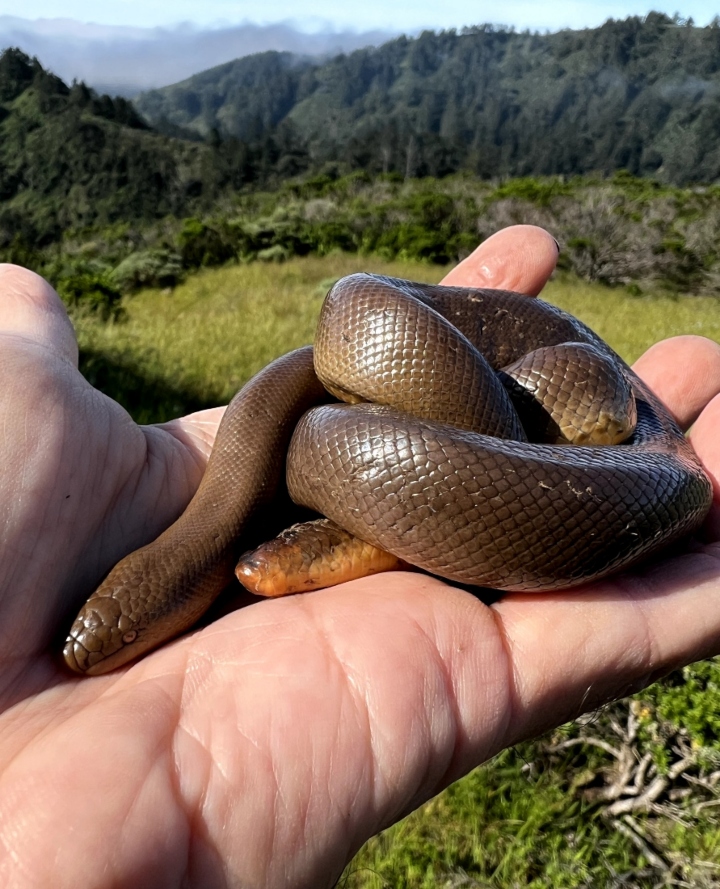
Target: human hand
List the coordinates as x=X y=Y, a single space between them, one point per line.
x=266 y=747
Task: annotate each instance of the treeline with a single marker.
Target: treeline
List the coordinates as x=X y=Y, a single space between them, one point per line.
x=70 y=158
x=99 y=202
x=641 y=94
x=620 y=231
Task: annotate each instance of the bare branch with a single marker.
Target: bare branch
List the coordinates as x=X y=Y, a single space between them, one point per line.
x=594 y=742
x=629 y=830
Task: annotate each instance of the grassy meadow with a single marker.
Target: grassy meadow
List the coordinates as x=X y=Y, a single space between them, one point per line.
x=203 y=339
x=198 y=343
x=532 y=817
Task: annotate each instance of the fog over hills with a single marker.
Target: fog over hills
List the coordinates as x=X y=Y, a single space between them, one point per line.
x=642 y=94
x=124 y=61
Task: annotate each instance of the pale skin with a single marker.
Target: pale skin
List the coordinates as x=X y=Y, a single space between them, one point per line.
x=265 y=748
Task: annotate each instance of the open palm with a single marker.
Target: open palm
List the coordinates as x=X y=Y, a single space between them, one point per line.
x=264 y=749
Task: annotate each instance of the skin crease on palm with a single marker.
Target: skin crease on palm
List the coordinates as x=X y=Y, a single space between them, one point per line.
x=265 y=748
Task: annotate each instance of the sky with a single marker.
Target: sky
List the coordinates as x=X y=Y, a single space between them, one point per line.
x=126 y=46
x=395 y=15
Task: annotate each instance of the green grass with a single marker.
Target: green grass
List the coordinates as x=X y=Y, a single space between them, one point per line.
x=196 y=345
x=507 y=825
x=504 y=825
x=633 y=323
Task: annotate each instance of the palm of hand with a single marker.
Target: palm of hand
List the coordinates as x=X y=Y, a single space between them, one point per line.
x=264 y=749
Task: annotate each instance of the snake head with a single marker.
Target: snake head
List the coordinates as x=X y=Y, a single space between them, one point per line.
x=101 y=638
x=128 y=614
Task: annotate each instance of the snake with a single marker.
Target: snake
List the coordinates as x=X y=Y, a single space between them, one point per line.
x=425 y=456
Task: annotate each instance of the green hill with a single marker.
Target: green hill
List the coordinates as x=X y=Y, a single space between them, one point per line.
x=70 y=158
x=641 y=94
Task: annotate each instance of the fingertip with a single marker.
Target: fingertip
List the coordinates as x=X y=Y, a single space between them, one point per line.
x=684 y=372
x=706 y=444
x=196 y=431
x=519 y=258
x=30 y=307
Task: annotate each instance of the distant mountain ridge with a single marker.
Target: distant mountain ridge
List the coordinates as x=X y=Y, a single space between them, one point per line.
x=244 y=98
x=124 y=61
x=641 y=94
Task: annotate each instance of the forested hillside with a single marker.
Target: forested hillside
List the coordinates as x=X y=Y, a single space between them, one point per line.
x=70 y=158
x=641 y=94
x=273 y=156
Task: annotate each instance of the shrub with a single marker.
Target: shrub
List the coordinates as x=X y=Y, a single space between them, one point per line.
x=276 y=253
x=203 y=245
x=148 y=268
x=540 y=192
x=92 y=292
x=687 y=701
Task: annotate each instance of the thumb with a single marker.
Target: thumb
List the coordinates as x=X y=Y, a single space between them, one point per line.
x=519 y=258
x=29 y=307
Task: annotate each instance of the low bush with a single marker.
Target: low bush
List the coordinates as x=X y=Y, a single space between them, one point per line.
x=621 y=231
x=201 y=244
x=90 y=291
x=148 y=268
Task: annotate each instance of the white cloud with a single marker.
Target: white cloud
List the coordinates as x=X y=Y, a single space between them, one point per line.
x=396 y=16
x=149 y=45
x=126 y=60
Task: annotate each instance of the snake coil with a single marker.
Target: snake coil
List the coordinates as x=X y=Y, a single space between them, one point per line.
x=458 y=502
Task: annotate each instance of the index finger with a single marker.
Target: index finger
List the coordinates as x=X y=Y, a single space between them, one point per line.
x=684 y=372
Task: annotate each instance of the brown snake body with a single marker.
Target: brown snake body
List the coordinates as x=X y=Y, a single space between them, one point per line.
x=462 y=502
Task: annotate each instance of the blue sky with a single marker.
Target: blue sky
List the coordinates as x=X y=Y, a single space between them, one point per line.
x=396 y=15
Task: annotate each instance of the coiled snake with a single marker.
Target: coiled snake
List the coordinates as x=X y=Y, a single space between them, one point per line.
x=449 y=485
